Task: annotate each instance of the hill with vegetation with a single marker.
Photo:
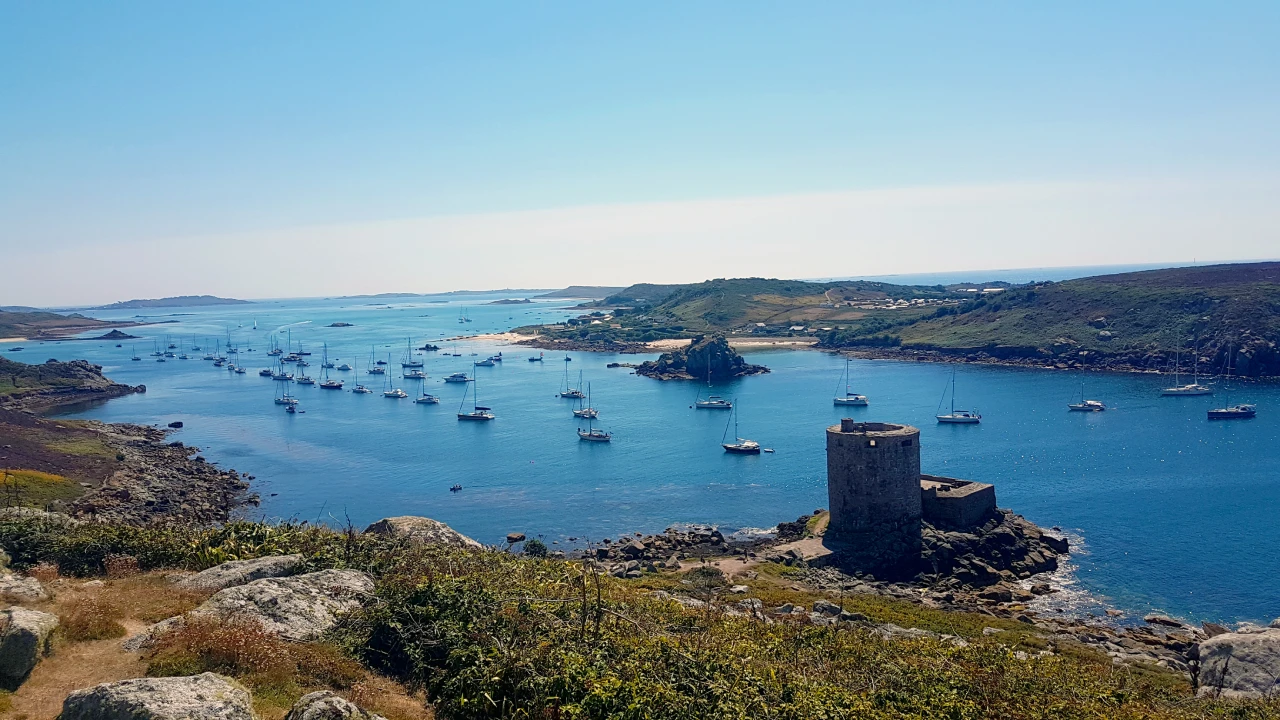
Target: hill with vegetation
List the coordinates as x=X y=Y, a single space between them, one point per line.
x=176 y=301
x=1139 y=320
x=38 y=324
x=488 y=633
x=745 y=306
x=54 y=383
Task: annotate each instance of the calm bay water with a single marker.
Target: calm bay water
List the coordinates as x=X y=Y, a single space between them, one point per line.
x=1177 y=513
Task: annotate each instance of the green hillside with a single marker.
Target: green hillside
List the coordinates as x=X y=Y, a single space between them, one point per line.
x=37 y=324
x=1141 y=319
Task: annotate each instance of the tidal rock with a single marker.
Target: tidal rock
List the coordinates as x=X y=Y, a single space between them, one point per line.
x=1240 y=665
x=702 y=357
x=17 y=587
x=1214 y=629
x=298 y=608
x=24 y=640
x=325 y=705
x=513 y=538
x=199 y=697
x=1165 y=620
x=241 y=572
x=421 y=530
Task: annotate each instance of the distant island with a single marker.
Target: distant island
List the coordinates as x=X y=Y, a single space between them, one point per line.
x=341 y=324
x=41 y=325
x=1128 y=321
x=511 y=301
x=178 y=301
x=585 y=292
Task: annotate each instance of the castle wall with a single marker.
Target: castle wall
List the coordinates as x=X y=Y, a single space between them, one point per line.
x=956 y=504
x=874 y=493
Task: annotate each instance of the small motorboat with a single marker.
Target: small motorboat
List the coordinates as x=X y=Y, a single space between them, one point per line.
x=1243 y=411
x=331 y=385
x=291 y=408
x=457 y=378
x=536 y=359
x=265 y=372
x=487 y=362
x=343 y=367
x=455 y=488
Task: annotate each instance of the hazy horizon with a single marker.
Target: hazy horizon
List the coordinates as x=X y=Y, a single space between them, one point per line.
x=150 y=149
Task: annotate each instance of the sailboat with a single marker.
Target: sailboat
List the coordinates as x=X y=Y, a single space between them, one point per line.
x=1192 y=388
x=360 y=389
x=713 y=402
x=285 y=398
x=957 y=417
x=328 y=383
x=324 y=358
x=393 y=392
x=593 y=435
x=586 y=411
x=408 y=361
x=1086 y=405
x=375 y=368
x=849 y=397
x=1242 y=411
x=740 y=445
x=570 y=392
x=135 y=357
x=478 y=412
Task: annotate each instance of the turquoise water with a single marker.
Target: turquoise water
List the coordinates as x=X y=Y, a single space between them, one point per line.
x=1176 y=513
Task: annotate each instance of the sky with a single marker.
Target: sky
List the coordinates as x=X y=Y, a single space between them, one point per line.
x=321 y=148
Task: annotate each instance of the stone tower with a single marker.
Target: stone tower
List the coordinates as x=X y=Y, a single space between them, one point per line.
x=873 y=486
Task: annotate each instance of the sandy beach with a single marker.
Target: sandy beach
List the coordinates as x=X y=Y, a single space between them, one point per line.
x=792 y=342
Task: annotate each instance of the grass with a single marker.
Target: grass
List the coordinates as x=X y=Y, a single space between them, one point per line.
x=82 y=447
x=496 y=635
x=34 y=488
x=91 y=618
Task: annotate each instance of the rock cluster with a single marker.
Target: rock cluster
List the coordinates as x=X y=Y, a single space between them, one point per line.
x=704 y=355
x=1006 y=547
x=1245 y=663
x=325 y=705
x=159 y=480
x=629 y=556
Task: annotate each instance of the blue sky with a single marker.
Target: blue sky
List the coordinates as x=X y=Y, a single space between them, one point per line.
x=133 y=127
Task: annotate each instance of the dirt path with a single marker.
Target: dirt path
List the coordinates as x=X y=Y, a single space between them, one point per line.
x=74 y=666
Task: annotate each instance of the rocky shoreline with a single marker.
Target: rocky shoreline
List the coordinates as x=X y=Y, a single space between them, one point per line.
x=158 y=481
x=1005 y=569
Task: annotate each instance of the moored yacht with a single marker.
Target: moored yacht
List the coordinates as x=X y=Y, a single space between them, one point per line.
x=849 y=397
x=1239 y=411
x=957 y=417
x=740 y=445
x=457 y=378
x=1190 y=389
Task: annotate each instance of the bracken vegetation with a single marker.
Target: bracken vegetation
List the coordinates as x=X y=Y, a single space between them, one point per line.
x=495 y=635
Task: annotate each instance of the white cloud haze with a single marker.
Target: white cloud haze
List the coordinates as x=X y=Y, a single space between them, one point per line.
x=870 y=232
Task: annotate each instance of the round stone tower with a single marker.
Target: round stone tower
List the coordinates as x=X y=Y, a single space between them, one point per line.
x=873 y=486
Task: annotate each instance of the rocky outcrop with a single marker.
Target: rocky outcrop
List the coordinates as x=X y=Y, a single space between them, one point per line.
x=157 y=480
x=11 y=514
x=1241 y=664
x=1007 y=547
x=24 y=639
x=421 y=530
x=20 y=588
x=241 y=572
x=325 y=705
x=704 y=355
x=62 y=383
x=298 y=608
x=199 y=697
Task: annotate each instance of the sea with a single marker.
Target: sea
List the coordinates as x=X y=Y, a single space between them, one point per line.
x=1168 y=511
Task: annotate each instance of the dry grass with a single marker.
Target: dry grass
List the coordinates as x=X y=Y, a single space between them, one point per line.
x=121 y=566
x=46 y=573
x=91 y=618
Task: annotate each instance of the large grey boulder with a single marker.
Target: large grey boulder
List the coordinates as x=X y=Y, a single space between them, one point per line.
x=199 y=697
x=20 y=588
x=240 y=572
x=298 y=608
x=421 y=530
x=24 y=639
x=1241 y=665
x=325 y=705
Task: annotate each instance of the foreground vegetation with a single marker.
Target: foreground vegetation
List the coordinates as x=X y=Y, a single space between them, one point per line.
x=491 y=634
